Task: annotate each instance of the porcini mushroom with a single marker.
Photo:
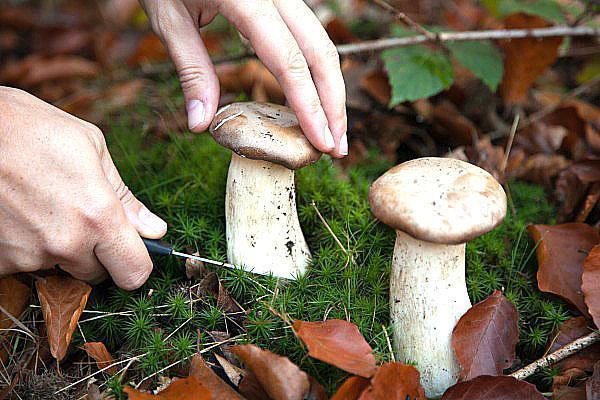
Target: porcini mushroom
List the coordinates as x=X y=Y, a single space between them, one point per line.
x=262 y=228
x=436 y=205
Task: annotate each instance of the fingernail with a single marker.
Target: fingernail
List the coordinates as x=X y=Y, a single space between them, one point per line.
x=344 y=145
x=195 y=111
x=151 y=221
x=328 y=137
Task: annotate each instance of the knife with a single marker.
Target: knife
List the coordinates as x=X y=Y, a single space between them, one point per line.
x=156 y=246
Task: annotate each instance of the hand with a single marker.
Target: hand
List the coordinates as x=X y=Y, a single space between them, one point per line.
x=289 y=40
x=62 y=200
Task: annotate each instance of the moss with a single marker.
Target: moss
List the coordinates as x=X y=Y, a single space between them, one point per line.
x=183 y=180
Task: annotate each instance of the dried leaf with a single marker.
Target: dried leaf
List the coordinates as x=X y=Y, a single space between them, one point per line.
x=195 y=269
x=62 y=299
x=233 y=373
x=218 y=388
x=251 y=388
x=485 y=338
x=339 y=343
x=211 y=286
x=560 y=253
x=376 y=84
x=149 y=50
x=451 y=126
x=576 y=189
x=189 y=388
x=493 y=388
x=58 y=67
x=98 y=351
x=316 y=391
x=592 y=386
x=591 y=283
x=394 y=381
x=351 y=389
x=278 y=376
x=525 y=59
x=568 y=393
x=13 y=298
x=570 y=330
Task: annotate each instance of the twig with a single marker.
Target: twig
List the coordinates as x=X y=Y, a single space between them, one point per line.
x=405 y=19
x=511 y=138
x=389 y=344
x=388 y=43
x=558 y=355
x=329 y=228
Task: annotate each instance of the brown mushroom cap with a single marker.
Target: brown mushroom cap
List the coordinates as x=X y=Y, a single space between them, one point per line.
x=263 y=131
x=439 y=200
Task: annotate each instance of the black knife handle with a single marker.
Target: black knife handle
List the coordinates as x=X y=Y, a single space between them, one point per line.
x=156 y=246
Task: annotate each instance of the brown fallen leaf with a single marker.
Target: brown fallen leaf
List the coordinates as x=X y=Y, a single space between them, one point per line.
x=377 y=85
x=278 y=376
x=493 y=388
x=351 y=389
x=576 y=190
x=525 y=59
x=586 y=110
x=14 y=296
x=564 y=392
x=149 y=50
x=560 y=252
x=339 y=343
x=62 y=299
x=485 y=338
x=316 y=391
x=189 y=388
x=251 y=388
x=451 y=126
x=339 y=32
x=591 y=283
x=570 y=330
x=592 y=386
x=211 y=285
x=58 y=67
x=394 y=381
x=218 y=388
x=233 y=373
x=98 y=351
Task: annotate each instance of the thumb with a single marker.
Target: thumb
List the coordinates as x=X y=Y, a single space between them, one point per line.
x=143 y=220
x=196 y=72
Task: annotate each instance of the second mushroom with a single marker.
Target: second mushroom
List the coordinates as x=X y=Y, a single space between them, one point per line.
x=436 y=205
x=262 y=228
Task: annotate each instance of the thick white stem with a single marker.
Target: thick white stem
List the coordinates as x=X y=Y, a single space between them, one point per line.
x=428 y=295
x=263 y=232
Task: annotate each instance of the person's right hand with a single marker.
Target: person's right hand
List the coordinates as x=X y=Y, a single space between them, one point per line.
x=62 y=200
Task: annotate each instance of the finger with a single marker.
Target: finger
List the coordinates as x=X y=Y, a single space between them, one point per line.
x=179 y=32
x=324 y=63
x=276 y=47
x=121 y=251
x=87 y=269
x=143 y=220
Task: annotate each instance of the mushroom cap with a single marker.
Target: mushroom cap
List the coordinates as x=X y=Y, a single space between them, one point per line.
x=439 y=200
x=263 y=131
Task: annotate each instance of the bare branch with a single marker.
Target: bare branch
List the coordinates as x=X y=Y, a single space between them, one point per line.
x=388 y=43
x=405 y=19
x=557 y=356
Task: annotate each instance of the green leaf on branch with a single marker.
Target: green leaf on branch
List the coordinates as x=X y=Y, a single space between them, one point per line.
x=550 y=10
x=416 y=72
x=481 y=58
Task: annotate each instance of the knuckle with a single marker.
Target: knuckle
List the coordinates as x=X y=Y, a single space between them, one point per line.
x=295 y=66
x=97 y=138
x=98 y=211
x=191 y=75
x=65 y=247
x=330 y=52
x=136 y=278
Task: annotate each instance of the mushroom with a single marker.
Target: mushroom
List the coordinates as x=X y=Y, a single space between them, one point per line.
x=263 y=232
x=436 y=205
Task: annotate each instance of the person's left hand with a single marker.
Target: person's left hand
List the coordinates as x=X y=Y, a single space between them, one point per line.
x=286 y=36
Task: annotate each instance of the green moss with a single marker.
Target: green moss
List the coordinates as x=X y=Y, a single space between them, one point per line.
x=183 y=180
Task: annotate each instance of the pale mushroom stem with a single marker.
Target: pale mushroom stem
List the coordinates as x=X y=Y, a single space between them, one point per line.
x=263 y=232
x=428 y=295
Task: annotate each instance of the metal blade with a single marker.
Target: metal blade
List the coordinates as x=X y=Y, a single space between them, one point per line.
x=206 y=260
